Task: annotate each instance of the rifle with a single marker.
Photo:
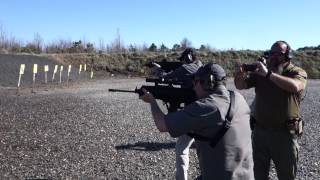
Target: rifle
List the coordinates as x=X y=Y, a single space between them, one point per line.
x=173 y=97
x=165 y=65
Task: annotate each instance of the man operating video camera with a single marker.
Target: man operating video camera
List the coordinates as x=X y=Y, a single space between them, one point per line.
x=252 y=67
x=279 y=85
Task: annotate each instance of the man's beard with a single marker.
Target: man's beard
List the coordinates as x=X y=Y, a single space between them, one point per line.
x=276 y=67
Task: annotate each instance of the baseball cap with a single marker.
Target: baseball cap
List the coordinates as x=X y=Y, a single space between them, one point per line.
x=210 y=69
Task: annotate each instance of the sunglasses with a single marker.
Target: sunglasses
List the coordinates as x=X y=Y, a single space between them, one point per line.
x=275 y=53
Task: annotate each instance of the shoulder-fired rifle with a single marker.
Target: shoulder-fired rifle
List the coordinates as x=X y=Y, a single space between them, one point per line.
x=165 y=65
x=167 y=91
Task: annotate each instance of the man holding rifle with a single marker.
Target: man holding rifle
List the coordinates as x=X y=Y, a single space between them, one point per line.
x=190 y=64
x=231 y=156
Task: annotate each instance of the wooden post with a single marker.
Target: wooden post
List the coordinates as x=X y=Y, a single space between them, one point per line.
x=61 y=69
x=35 y=71
x=46 y=69
x=21 y=72
x=69 y=70
x=54 y=72
x=91 y=73
x=85 y=68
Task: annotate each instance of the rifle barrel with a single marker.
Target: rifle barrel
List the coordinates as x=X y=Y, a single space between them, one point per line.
x=121 y=90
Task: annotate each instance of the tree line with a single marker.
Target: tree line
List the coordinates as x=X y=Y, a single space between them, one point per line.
x=116 y=52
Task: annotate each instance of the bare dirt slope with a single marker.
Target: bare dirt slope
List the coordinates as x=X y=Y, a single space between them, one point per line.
x=10 y=65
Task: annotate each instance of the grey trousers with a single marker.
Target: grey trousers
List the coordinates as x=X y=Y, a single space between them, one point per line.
x=183 y=145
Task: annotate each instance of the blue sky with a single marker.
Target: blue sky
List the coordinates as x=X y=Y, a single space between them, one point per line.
x=223 y=24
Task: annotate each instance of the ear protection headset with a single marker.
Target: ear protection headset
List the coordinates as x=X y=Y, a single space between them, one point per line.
x=207 y=79
x=187 y=56
x=190 y=57
x=209 y=82
x=288 y=53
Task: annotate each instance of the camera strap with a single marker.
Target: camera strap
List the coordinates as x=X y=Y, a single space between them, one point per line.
x=226 y=125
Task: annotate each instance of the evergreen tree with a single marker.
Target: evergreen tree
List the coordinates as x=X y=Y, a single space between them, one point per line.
x=153 y=47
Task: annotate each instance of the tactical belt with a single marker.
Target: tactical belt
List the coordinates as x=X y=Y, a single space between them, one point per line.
x=226 y=125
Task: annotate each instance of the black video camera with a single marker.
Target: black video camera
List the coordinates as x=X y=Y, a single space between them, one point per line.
x=253 y=67
x=249 y=67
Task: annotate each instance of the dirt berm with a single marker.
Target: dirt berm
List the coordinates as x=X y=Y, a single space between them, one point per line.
x=10 y=65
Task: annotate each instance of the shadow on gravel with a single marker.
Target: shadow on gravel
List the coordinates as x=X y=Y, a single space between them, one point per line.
x=146 y=146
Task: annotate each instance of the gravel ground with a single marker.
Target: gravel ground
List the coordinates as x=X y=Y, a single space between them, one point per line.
x=86 y=132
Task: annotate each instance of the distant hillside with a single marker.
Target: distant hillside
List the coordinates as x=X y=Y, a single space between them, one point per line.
x=132 y=63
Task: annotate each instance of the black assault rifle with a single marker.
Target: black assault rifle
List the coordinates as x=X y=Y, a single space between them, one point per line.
x=165 y=65
x=173 y=97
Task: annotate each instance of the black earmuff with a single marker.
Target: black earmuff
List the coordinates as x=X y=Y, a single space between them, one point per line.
x=187 y=56
x=212 y=82
x=208 y=80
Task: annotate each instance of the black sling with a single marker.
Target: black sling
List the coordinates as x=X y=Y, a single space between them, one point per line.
x=227 y=123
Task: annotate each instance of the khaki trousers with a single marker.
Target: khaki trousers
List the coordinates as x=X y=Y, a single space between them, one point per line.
x=278 y=145
x=183 y=145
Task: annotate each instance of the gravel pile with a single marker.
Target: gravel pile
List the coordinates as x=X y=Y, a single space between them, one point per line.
x=86 y=132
